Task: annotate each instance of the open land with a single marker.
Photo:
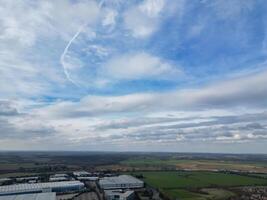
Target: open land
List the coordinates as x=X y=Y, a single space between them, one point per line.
x=198 y=185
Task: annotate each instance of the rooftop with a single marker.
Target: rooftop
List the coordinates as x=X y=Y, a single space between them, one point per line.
x=37 y=186
x=60 y=175
x=81 y=173
x=38 y=196
x=117 y=192
x=122 y=179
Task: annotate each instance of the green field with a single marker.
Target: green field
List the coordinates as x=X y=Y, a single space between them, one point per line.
x=180 y=184
x=205 y=165
x=260 y=175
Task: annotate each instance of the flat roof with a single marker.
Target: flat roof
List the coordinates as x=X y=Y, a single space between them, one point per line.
x=117 y=192
x=81 y=173
x=91 y=178
x=122 y=179
x=60 y=175
x=58 y=178
x=38 y=196
x=27 y=178
x=28 y=187
x=5 y=179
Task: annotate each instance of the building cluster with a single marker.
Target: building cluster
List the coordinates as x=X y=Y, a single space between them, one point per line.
x=119 y=187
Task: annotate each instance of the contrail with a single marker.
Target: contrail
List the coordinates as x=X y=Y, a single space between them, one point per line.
x=62 y=57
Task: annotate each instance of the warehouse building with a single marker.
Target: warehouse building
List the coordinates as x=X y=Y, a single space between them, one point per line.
x=55 y=179
x=27 y=188
x=81 y=173
x=120 y=182
x=38 y=196
x=60 y=175
x=119 y=195
x=27 y=179
x=88 y=178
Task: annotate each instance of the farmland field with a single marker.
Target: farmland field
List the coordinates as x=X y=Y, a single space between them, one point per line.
x=260 y=175
x=146 y=163
x=181 y=184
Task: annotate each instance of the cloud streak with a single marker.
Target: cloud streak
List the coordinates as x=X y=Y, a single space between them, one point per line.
x=62 y=57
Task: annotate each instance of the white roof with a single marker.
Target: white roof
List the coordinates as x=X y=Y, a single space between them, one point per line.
x=122 y=179
x=38 y=196
x=81 y=173
x=58 y=179
x=16 y=188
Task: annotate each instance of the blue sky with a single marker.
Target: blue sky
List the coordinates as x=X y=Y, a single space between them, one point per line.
x=140 y=75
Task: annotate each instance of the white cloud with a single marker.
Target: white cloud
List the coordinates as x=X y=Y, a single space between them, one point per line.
x=142 y=20
x=139 y=66
x=24 y=22
x=28 y=30
x=152 y=7
x=109 y=17
x=248 y=92
x=143 y=117
x=33 y=35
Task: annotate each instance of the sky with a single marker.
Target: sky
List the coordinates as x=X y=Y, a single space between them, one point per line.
x=138 y=75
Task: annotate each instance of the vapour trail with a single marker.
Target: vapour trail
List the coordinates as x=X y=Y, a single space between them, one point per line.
x=62 y=57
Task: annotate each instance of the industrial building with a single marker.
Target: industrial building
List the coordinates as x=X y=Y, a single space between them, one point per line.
x=55 y=179
x=58 y=177
x=27 y=179
x=88 y=178
x=120 y=182
x=81 y=173
x=119 y=195
x=38 y=196
x=27 y=188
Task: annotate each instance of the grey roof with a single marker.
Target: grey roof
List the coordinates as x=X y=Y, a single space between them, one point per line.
x=89 y=178
x=27 y=178
x=35 y=187
x=58 y=179
x=38 y=196
x=5 y=179
x=60 y=175
x=117 y=192
x=122 y=179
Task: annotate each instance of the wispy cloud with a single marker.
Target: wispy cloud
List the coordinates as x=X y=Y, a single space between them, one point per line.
x=125 y=74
